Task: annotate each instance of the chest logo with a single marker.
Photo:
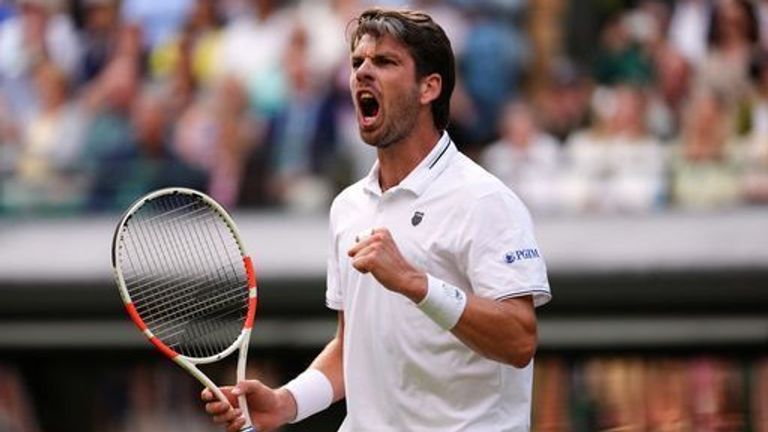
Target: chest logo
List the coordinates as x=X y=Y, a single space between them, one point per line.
x=417 y=217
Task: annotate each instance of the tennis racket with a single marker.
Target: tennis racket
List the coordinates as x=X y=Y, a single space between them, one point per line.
x=186 y=281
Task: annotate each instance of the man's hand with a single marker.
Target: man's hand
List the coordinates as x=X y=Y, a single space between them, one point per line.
x=378 y=254
x=269 y=408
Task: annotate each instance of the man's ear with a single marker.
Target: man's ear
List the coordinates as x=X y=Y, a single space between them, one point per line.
x=431 y=86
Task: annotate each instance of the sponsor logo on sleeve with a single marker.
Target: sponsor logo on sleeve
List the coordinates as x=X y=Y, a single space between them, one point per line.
x=521 y=254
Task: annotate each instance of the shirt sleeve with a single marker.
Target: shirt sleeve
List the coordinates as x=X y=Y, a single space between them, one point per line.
x=333 y=295
x=502 y=257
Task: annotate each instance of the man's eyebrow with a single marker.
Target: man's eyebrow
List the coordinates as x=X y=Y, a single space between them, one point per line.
x=388 y=54
x=394 y=55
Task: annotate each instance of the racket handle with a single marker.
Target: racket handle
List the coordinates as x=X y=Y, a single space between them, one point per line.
x=248 y=429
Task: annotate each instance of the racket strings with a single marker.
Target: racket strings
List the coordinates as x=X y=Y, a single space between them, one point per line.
x=208 y=334
x=155 y=293
x=177 y=311
x=165 y=326
x=174 y=250
x=184 y=271
x=207 y=315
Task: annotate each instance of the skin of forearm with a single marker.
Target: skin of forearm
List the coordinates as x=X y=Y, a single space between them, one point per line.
x=330 y=361
x=504 y=331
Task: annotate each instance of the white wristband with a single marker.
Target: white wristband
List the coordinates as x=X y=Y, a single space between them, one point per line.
x=312 y=392
x=444 y=303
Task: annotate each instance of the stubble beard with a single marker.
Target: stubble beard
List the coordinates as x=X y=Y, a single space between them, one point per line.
x=399 y=126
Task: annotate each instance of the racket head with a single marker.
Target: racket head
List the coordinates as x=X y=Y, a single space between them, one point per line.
x=184 y=276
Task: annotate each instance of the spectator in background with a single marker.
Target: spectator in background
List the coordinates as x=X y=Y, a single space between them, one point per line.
x=185 y=64
x=99 y=36
x=39 y=32
x=562 y=104
x=688 y=29
x=491 y=66
x=455 y=19
x=705 y=166
x=616 y=165
x=108 y=142
x=322 y=21
x=145 y=162
x=251 y=50
x=716 y=393
x=526 y=159
x=155 y=165
x=671 y=84
x=301 y=143
x=108 y=137
x=159 y=20
x=664 y=72
x=111 y=94
x=326 y=45
x=215 y=134
x=761 y=14
x=615 y=387
x=666 y=395
x=620 y=57
x=9 y=141
x=50 y=147
x=732 y=43
x=194 y=47
x=756 y=151
x=7 y=9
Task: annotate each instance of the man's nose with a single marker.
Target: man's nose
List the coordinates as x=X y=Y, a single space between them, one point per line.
x=364 y=71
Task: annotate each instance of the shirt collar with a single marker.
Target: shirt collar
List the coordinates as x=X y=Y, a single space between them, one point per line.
x=420 y=178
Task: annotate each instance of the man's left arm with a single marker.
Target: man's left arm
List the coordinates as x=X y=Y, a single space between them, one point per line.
x=502 y=330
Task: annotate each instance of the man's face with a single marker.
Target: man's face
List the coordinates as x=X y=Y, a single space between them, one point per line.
x=384 y=90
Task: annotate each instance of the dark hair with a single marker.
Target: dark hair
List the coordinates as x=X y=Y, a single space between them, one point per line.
x=751 y=29
x=425 y=40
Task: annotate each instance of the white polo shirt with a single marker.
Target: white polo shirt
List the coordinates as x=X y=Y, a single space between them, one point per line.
x=402 y=372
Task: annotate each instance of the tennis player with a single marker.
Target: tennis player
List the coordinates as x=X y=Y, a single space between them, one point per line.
x=433 y=266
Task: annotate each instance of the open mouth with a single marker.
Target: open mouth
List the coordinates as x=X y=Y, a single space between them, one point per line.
x=369 y=107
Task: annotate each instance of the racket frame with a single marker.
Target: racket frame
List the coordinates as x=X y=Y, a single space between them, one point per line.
x=190 y=364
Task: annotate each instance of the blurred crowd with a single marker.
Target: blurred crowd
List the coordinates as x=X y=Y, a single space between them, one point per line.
x=611 y=392
x=104 y=100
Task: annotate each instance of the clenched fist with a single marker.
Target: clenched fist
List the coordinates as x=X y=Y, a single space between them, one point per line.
x=378 y=255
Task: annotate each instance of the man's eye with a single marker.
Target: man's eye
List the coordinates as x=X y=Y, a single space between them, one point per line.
x=356 y=63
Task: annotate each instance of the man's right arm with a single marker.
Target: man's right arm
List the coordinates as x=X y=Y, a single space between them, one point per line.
x=272 y=408
x=331 y=361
